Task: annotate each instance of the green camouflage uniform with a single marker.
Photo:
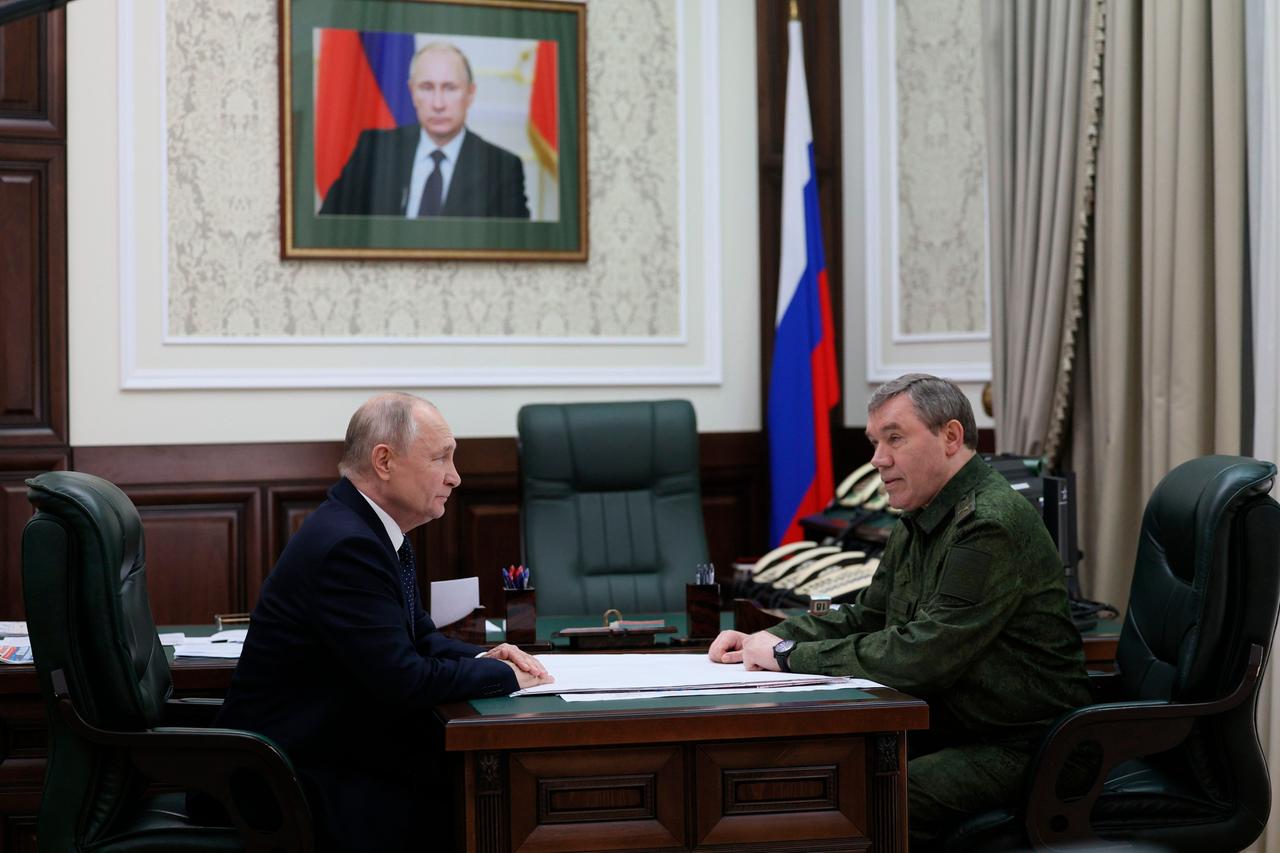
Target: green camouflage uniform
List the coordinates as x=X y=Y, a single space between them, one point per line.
x=968 y=610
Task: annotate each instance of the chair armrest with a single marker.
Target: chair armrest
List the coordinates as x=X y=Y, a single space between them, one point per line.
x=197 y=712
x=1123 y=730
x=248 y=774
x=1104 y=685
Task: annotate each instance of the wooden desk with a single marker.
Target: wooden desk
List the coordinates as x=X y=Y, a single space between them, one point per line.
x=816 y=771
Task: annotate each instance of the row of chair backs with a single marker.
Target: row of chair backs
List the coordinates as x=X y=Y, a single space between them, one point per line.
x=85 y=591
x=611 y=510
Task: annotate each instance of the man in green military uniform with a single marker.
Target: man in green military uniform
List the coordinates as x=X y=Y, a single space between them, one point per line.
x=968 y=610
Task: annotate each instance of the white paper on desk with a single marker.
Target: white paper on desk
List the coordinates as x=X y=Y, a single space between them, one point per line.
x=631 y=673
x=851 y=684
x=452 y=600
x=16 y=640
x=172 y=639
x=208 y=650
x=19 y=628
x=231 y=635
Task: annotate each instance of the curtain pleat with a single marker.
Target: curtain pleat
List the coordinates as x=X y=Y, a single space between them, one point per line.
x=1164 y=306
x=1041 y=113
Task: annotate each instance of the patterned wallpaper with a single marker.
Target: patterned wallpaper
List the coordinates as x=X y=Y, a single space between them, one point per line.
x=225 y=275
x=941 y=170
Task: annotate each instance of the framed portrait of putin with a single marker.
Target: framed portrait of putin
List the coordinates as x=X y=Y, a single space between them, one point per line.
x=425 y=129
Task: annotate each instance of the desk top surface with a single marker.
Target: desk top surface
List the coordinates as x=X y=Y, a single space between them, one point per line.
x=540 y=721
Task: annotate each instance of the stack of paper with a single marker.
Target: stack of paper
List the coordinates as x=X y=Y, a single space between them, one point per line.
x=223 y=644
x=595 y=677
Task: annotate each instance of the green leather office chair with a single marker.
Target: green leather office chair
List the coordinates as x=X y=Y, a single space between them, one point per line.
x=1180 y=763
x=113 y=726
x=611 y=509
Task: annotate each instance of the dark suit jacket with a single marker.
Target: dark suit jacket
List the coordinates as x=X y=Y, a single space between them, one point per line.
x=330 y=673
x=487 y=181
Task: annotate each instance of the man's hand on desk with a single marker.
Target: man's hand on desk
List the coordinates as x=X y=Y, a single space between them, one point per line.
x=755 y=651
x=529 y=671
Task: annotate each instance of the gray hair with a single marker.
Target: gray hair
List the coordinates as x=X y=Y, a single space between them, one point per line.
x=383 y=419
x=442 y=47
x=936 y=402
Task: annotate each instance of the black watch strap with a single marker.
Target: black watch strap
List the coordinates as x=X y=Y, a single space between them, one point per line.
x=782 y=653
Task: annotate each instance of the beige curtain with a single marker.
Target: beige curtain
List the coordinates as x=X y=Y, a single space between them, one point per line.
x=1162 y=324
x=1042 y=95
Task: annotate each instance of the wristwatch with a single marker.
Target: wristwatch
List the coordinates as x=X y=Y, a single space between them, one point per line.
x=781 y=651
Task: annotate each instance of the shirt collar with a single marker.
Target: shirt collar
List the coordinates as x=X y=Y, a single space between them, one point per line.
x=961 y=483
x=393 y=530
x=426 y=145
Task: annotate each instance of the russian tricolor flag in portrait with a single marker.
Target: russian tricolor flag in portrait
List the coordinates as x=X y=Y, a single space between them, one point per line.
x=803 y=383
x=361 y=84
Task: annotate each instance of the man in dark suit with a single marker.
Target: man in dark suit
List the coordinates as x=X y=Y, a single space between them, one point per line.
x=341 y=664
x=437 y=167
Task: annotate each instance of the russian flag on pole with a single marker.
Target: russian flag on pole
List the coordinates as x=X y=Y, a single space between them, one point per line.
x=803 y=383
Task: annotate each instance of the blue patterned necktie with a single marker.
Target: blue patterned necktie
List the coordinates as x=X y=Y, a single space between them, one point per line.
x=408 y=580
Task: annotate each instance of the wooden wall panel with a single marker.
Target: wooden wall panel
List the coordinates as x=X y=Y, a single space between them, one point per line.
x=32 y=295
x=216 y=517
x=15 y=467
x=492 y=541
x=203 y=551
x=32 y=75
x=287 y=508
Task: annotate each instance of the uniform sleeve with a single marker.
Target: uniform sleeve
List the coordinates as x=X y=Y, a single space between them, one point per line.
x=358 y=608
x=979 y=589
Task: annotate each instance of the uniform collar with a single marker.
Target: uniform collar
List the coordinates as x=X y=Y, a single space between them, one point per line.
x=961 y=483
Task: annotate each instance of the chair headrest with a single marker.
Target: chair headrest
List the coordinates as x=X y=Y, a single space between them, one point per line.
x=608 y=446
x=93 y=506
x=1187 y=506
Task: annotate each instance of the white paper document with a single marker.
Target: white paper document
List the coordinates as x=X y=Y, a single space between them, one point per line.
x=19 y=628
x=223 y=644
x=206 y=649
x=452 y=600
x=658 y=672
x=172 y=639
x=850 y=684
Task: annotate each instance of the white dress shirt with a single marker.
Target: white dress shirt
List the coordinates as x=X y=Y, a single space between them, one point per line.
x=423 y=166
x=393 y=529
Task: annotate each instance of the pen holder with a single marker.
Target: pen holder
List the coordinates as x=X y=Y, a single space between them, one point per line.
x=702 y=607
x=521 y=616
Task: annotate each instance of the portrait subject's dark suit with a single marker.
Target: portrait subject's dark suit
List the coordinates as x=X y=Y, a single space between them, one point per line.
x=487 y=181
x=331 y=672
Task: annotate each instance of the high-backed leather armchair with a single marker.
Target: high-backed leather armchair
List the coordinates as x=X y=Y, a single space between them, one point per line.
x=114 y=726
x=1173 y=736
x=611 y=509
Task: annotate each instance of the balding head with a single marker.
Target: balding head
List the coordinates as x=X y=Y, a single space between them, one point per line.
x=383 y=419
